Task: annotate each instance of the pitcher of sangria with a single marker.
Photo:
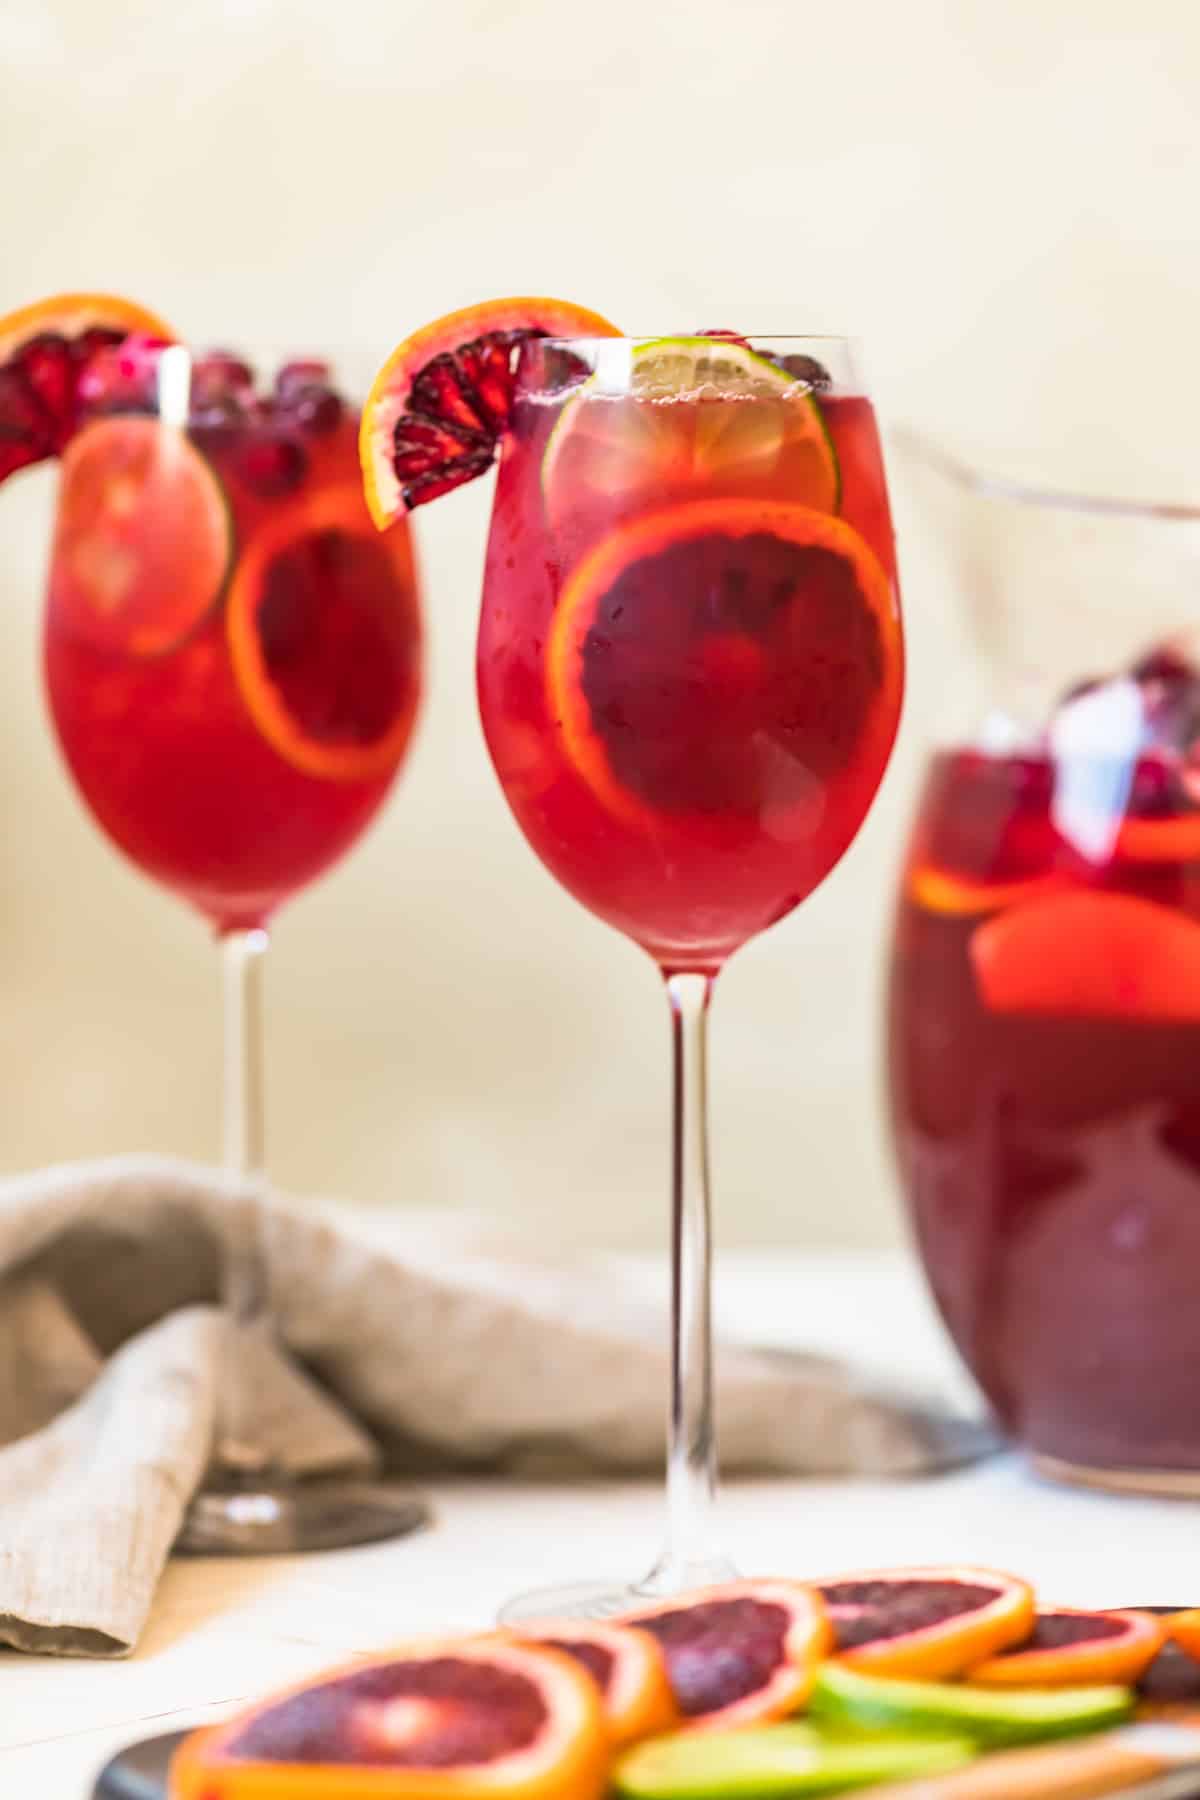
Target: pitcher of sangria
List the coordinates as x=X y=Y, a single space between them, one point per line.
x=1044 y=1012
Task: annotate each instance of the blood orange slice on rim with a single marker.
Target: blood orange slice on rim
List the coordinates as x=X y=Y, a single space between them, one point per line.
x=439 y=406
x=740 y=1653
x=1092 y=955
x=143 y=537
x=446 y=1721
x=724 y=658
x=925 y=1623
x=1071 y=1648
x=324 y=637
x=628 y=1668
x=45 y=351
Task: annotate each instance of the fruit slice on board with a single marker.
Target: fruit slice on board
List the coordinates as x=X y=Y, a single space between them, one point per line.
x=45 y=350
x=724 y=657
x=740 y=1653
x=681 y=415
x=925 y=1622
x=427 y=1722
x=1091 y=955
x=441 y=402
x=1070 y=1648
x=628 y=1668
x=847 y=1697
x=143 y=537
x=324 y=637
x=771 y=1762
x=960 y=896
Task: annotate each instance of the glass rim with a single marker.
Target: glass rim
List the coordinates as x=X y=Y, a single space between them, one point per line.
x=666 y=337
x=959 y=472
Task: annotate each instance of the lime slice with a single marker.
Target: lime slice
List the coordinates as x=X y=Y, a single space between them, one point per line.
x=989 y=1715
x=763 y=1762
x=684 y=417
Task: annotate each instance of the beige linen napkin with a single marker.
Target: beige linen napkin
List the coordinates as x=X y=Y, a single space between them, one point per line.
x=438 y=1354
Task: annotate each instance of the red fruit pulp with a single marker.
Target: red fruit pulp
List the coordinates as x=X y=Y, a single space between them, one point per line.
x=744 y=735
x=1046 y=1105
x=164 y=748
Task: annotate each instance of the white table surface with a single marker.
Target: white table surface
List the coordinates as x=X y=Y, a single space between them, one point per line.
x=223 y=1631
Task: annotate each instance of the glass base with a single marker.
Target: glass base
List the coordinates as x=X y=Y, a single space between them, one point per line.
x=1177 y=1484
x=277 y=1517
x=608 y=1599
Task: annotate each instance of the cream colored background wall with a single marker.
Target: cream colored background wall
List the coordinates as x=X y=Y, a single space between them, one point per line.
x=1002 y=198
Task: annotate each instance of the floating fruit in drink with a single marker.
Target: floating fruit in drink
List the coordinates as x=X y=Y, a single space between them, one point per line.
x=46 y=352
x=143 y=538
x=1090 y=955
x=938 y=891
x=428 y=1722
x=773 y=1762
x=437 y=408
x=758 y=431
x=739 y=1653
x=991 y=1716
x=778 y=615
x=925 y=1622
x=1071 y=1648
x=628 y=1668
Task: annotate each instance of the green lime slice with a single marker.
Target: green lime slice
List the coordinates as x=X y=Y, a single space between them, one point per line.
x=769 y=1761
x=989 y=1715
x=631 y=430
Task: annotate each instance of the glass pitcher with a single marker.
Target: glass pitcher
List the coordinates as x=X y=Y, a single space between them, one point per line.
x=1044 y=1008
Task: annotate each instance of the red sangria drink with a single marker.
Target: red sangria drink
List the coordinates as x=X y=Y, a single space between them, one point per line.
x=690 y=668
x=1045 y=1071
x=232 y=654
x=232 y=664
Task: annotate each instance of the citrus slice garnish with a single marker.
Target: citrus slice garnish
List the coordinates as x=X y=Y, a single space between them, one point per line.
x=459 y=1720
x=628 y=1668
x=324 y=636
x=440 y=404
x=1090 y=955
x=143 y=537
x=739 y=1653
x=925 y=1622
x=1071 y=1648
x=45 y=350
x=991 y=1716
x=724 y=658
x=773 y=1762
x=685 y=415
x=1174 y=840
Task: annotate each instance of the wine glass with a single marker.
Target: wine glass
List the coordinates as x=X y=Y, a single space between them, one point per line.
x=690 y=673
x=232 y=663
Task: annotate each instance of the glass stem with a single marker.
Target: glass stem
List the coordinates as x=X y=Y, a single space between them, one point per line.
x=690 y=1557
x=244 y=1287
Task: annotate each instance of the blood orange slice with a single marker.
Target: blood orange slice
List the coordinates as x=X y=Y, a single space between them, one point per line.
x=925 y=1623
x=1183 y=1628
x=452 y=1721
x=739 y=1653
x=1071 y=1648
x=723 y=658
x=693 y=413
x=143 y=537
x=45 y=350
x=324 y=637
x=1092 y=955
x=628 y=1668
x=959 y=896
x=440 y=403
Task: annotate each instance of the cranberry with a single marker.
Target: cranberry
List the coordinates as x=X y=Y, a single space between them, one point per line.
x=293 y=377
x=221 y=380
x=272 y=464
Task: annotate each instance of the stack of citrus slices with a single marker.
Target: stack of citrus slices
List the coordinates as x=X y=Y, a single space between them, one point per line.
x=903 y=1673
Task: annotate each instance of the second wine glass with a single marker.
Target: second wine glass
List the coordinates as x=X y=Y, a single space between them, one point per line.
x=232 y=662
x=690 y=672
